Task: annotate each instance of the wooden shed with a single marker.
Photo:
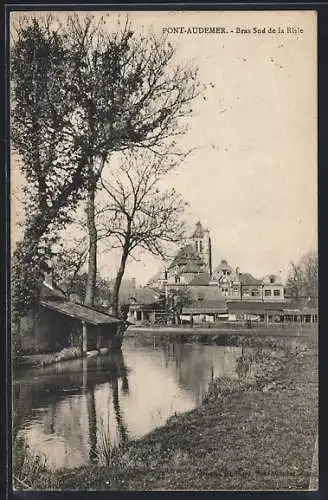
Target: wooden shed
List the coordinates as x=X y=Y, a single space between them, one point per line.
x=60 y=323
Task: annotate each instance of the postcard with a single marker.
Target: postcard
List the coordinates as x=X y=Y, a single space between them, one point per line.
x=164 y=268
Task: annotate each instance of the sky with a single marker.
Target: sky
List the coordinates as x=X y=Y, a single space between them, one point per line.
x=252 y=179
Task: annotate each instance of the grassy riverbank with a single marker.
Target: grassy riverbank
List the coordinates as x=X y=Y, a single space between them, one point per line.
x=218 y=334
x=257 y=432
x=273 y=336
x=268 y=338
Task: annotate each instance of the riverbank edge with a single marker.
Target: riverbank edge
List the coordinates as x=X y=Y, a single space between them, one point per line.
x=248 y=338
x=40 y=360
x=168 y=457
x=212 y=331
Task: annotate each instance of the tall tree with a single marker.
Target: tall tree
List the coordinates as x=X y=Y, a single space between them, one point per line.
x=302 y=282
x=128 y=92
x=41 y=133
x=81 y=92
x=137 y=213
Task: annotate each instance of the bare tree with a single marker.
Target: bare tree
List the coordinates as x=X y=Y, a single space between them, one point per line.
x=302 y=281
x=138 y=214
x=68 y=262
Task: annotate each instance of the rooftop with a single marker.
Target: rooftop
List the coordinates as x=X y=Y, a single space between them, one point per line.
x=199 y=231
x=223 y=266
x=205 y=307
x=200 y=279
x=145 y=296
x=187 y=255
x=255 y=307
x=248 y=279
x=79 y=311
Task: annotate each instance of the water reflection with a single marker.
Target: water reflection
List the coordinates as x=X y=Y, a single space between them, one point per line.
x=63 y=409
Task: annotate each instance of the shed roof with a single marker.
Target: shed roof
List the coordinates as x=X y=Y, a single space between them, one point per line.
x=79 y=311
x=205 y=307
x=252 y=306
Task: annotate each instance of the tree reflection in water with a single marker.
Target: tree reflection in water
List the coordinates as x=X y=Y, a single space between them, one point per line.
x=67 y=408
x=92 y=424
x=116 y=371
x=198 y=364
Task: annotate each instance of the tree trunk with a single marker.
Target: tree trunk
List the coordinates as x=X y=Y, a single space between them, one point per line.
x=92 y=261
x=118 y=282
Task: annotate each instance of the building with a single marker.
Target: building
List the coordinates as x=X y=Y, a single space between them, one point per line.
x=194 y=259
x=201 y=242
x=227 y=279
x=144 y=306
x=225 y=293
x=268 y=312
x=244 y=287
x=60 y=323
x=186 y=265
x=207 y=304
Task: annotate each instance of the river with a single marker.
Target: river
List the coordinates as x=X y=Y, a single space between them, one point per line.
x=64 y=410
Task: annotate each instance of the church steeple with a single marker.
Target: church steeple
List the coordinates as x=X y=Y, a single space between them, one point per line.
x=201 y=242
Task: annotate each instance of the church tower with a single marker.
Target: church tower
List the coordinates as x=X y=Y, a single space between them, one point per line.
x=201 y=242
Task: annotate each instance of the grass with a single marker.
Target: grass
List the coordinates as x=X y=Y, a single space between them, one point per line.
x=30 y=470
x=108 y=452
x=253 y=433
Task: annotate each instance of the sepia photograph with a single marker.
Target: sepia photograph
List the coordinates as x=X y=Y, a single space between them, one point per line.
x=163 y=250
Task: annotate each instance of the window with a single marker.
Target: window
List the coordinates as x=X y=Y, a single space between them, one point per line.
x=246 y=291
x=200 y=246
x=196 y=246
x=255 y=292
x=272 y=279
x=276 y=293
x=177 y=279
x=236 y=289
x=267 y=293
